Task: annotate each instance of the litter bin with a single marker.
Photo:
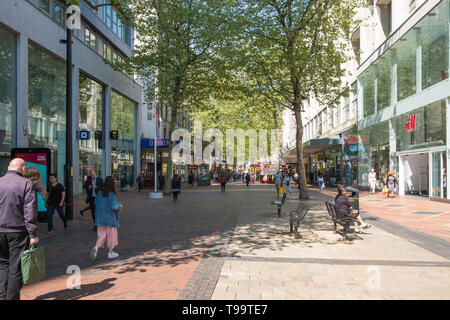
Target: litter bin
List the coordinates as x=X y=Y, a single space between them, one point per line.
x=353 y=197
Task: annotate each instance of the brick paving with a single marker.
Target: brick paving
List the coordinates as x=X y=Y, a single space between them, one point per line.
x=161 y=244
x=213 y=245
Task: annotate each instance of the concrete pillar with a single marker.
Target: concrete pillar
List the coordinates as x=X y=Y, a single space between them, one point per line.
x=137 y=144
x=107 y=129
x=23 y=130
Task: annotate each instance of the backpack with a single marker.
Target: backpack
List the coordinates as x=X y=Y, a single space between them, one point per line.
x=222 y=179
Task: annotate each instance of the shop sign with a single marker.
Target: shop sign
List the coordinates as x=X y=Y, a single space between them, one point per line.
x=84 y=135
x=334 y=150
x=350 y=140
x=411 y=123
x=353 y=148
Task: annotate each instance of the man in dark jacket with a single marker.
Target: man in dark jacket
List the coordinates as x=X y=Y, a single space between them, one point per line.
x=92 y=186
x=18 y=227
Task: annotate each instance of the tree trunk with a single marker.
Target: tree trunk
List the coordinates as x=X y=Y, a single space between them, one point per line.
x=300 y=167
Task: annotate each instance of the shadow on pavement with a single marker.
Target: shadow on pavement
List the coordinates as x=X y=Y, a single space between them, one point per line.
x=86 y=290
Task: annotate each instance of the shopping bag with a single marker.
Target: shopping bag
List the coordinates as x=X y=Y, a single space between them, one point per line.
x=384 y=190
x=281 y=190
x=33 y=264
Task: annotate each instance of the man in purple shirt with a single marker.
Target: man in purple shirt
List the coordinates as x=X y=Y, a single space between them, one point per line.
x=18 y=227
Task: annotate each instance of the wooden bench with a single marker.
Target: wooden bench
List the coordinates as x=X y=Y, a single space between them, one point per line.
x=296 y=217
x=279 y=203
x=339 y=218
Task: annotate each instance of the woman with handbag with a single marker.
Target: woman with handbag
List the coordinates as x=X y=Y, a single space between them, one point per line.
x=106 y=218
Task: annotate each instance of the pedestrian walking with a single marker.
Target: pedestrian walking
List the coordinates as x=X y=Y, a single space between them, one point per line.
x=223 y=181
x=391 y=183
x=18 y=226
x=176 y=187
x=54 y=200
x=247 y=178
x=191 y=179
x=140 y=182
x=287 y=182
x=277 y=177
x=107 y=208
x=296 y=178
x=82 y=211
x=321 y=183
x=93 y=185
x=372 y=180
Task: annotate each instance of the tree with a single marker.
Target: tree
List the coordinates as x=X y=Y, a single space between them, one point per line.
x=179 y=51
x=294 y=50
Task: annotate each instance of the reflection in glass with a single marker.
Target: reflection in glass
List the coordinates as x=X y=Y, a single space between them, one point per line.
x=434 y=41
x=7 y=95
x=405 y=51
x=383 y=74
x=436 y=188
x=90 y=118
x=122 y=150
x=368 y=91
x=47 y=106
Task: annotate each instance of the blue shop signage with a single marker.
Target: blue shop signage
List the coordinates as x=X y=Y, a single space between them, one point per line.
x=84 y=135
x=148 y=143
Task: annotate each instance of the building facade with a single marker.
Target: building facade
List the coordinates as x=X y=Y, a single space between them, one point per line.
x=33 y=89
x=404 y=95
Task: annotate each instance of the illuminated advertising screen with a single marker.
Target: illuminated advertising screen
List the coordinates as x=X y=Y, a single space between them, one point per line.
x=37 y=170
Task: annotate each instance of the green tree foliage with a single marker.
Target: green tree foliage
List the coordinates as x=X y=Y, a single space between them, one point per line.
x=294 y=50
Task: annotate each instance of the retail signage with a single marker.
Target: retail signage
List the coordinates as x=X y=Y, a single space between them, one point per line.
x=114 y=135
x=148 y=143
x=350 y=140
x=353 y=148
x=411 y=123
x=334 y=150
x=84 y=135
x=38 y=170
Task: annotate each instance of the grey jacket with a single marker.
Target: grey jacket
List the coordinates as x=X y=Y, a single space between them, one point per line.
x=17 y=199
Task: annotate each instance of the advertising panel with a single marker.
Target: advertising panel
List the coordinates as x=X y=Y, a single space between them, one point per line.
x=37 y=170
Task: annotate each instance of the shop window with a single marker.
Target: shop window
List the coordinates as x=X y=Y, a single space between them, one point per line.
x=90 y=118
x=8 y=104
x=47 y=106
x=383 y=75
x=434 y=40
x=405 y=52
x=368 y=91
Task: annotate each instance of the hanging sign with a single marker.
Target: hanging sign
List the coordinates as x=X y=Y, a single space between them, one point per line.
x=114 y=135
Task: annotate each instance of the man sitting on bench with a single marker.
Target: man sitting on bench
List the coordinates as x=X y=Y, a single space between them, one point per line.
x=345 y=207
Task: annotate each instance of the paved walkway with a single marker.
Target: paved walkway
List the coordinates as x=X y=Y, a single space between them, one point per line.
x=420 y=214
x=265 y=262
x=232 y=245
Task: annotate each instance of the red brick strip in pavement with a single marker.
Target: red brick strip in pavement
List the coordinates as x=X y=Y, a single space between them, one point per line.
x=160 y=245
x=436 y=225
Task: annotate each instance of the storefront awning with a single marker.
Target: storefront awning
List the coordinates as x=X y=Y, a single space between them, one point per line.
x=311 y=147
x=320 y=145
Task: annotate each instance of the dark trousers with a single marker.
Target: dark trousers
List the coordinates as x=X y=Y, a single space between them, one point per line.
x=175 y=195
x=92 y=207
x=222 y=187
x=51 y=212
x=11 y=245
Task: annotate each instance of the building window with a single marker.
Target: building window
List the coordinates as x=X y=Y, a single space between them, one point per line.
x=405 y=50
x=44 y=5
x=368 y=91
x=434 y=40
x=8 y=103
x=123 y=119
x=383 y=74
x=91 y=115
x=47 y=106
x=58 y=13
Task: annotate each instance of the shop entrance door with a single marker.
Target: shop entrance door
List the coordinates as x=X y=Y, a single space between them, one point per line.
x=415 y=175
